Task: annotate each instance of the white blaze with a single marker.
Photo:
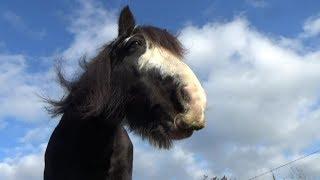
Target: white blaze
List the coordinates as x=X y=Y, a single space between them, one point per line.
x=169 y=64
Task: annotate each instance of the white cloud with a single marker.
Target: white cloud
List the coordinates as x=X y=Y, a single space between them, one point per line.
x=28 y=167
x=177 y=163
x=312 y=27
x=92 y=27
x=26 y=161
x=39 y=134
x=20 y=87
x=259 y=96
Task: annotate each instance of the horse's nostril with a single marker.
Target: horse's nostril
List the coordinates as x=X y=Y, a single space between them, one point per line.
x=180 y=123
x=185 y=94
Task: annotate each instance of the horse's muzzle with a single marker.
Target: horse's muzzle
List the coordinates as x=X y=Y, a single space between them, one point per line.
x=192 y=97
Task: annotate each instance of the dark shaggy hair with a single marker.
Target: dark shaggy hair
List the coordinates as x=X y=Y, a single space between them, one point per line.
x=163 y=38
x=90 y=94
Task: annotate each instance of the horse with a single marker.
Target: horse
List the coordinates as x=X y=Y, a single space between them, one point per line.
x=137 y=82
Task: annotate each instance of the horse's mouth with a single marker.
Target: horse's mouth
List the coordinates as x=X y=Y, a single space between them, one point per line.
x=180 y=134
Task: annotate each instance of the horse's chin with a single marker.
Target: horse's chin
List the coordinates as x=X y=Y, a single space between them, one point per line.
x=178 y=134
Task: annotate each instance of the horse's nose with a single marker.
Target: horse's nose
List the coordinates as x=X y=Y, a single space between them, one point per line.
x=192 y=97
x=194 y=125
x=197 y=126
x=182 y=123
x=194 y=103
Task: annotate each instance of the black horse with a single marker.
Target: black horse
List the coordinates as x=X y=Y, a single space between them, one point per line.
x=138 y=80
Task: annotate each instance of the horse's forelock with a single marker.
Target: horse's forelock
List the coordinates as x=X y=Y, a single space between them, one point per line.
x=163 y=38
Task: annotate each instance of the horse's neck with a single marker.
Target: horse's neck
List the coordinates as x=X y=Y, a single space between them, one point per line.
x=79 y=148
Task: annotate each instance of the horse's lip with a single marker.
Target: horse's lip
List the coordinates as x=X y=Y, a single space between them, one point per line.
x=180 y=134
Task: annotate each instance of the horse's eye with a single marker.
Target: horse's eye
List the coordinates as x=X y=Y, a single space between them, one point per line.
x=135 y=43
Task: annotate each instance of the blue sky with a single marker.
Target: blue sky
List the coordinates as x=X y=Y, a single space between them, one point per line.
x=38 y=28
x=264 y=54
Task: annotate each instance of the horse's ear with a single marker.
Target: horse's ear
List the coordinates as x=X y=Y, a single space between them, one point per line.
x=126 y=21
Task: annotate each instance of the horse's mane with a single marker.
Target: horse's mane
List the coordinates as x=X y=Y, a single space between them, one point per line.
x=164 y=39
x=87 y=94
x=90 y=93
